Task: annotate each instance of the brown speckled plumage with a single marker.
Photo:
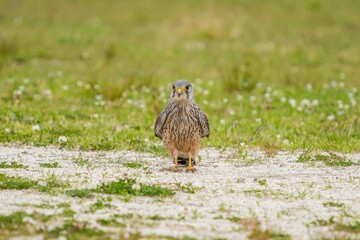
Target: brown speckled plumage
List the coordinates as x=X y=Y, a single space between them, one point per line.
x=182 y=124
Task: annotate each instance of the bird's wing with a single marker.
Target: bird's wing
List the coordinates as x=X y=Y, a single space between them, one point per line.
x=204 y=123
x=161 y=119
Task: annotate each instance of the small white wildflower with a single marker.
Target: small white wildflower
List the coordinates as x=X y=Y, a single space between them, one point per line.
x=62 y=139
x=48 y=93
x=353 y=102
x=36 y=128
x=286 y=142
x=222 y=121
x=278 y=136
x=309 y=87
x=305 y=103
x=95 y=115
x=79 y=83
x=252 y=98
x=231 y=112
x=268 y=89
x=315 y=103
x=239 y=97
x=136 y=187
x=267 y=97
x=258 y=120
x=341 y=112
x=292 y=102
x=65 y=87
x=253 y=112
x=7 y=130
x=331 y=118
x=259 y=84
x=242 y=144
x=346 y=106
x=206 y=92
x=299 y=108
x=283 y=99
x=42 y=183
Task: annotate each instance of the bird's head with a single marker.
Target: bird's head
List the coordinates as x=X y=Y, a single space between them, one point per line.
x=182 y=90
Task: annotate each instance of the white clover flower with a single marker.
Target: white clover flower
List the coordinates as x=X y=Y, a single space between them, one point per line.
x=331 y=118
x=48 y=93
x=242 y=144
x=222 y=121
x=259 y=84
x=7 y=130
x=292 y=102
x=231 y=112
x=252 y=98
x=299 y=108
x=258 y=120
x=286 y=142
x=278 y=136
x=283 y=99
x=305 y=103
x=42 y=183
x=239 y=97
x=341 y=112
x=136 y=187
x=309 y=87
x=315 y=103
x=35 y=128
x=62 y=139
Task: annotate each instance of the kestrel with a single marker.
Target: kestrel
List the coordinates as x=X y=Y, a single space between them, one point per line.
x=182 y=124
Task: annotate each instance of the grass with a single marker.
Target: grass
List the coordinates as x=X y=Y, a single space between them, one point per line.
x=79 y=193
x=353 y=227
x=49 y=165
x=12 y=165
x=48 y=185
x=133 y=165
x=99 y=76
x=330 y=159
x=130 y=187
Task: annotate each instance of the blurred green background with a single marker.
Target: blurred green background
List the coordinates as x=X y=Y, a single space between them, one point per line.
x=270 y=74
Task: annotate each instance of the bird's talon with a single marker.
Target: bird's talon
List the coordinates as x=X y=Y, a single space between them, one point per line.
x=190 y=169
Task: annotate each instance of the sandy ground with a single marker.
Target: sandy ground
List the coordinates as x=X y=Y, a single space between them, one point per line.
x=290 y=202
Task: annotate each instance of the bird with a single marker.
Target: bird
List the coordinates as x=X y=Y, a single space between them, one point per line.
x=182 y=125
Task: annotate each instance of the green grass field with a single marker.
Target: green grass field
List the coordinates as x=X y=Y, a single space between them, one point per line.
x=272 y=74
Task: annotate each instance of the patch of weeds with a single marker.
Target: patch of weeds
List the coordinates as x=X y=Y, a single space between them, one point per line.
x=331 y=159
x=234 y=219
x=11 y=222
x=49 y=184
x=256 y=233
x=99 y=204
x=49 y=165
x=12 y=165
x=262 y=182
x=110 y=222
x=75 y=230
x=186 y=188
x=80 y=161
x=68 y=212
x=18 y=183
x=156 y=218
x=79 y=193
x=130 y=187
x=333 y=204
x=339 y=226
x=133 y=165
x=257 y=192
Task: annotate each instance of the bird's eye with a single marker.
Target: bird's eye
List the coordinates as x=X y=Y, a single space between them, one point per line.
x=187 y=87
x=173 y=87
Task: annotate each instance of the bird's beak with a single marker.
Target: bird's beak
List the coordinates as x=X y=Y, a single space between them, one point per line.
x=179 y=91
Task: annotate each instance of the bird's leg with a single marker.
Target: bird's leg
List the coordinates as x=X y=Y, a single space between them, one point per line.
x=189 y=167
x=176 y=167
